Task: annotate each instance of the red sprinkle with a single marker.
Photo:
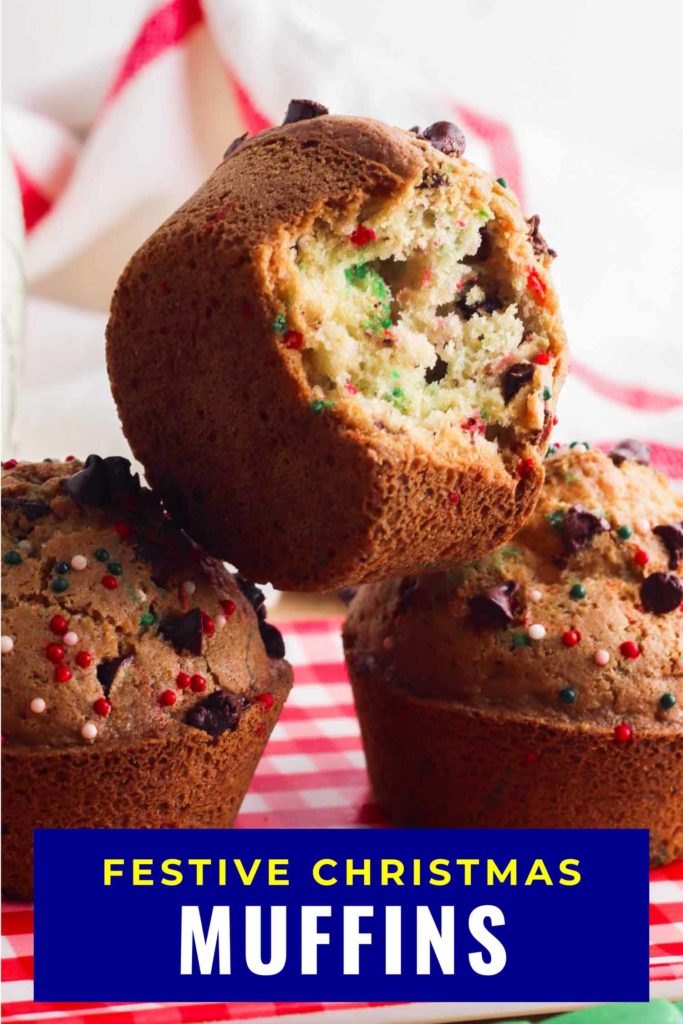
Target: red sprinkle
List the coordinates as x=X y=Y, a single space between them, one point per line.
x=228 y=606
x=9 y=464
x=641 y=557
x=542 y=359
x=426 y=278
x=555 y=421
x=182 y=680
x=293 y=340
x=167 y=698
x=525 y=468
x=629 y=649
x=536 y=285
x=63 y=673
x=84 y=659
x=198 y=684
x=351 y=388
x=453 y=498
x=571 y=637
x=70 y=458
x=54 y=653
x=362 y=235
x=474 y=425
x=208 y=625
x=266 y=699
x=623 y=732
x=124 y=530
x=101 y=707
x=110 y=582
x=58 y=625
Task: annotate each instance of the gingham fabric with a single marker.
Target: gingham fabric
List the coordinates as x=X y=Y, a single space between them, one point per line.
x=312 y=773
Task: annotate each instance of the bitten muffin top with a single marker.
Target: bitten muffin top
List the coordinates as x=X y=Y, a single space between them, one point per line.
x=578 y=619
x=116 y=626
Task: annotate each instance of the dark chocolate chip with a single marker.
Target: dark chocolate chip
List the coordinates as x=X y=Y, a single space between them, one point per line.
x=496 y=607
x=406 y=595
x=579 y=526
x=184 y=631
x=26 y=507
x=437 y=372
x=515 y=379
x=253 y=594
x=446 y=137
x=217 y=713
x=630 y=450
x=433 y=180
x=304 y=110
x=272 y=639
x=483 y=252
x=107 y=669
x=671 y=536
x=347 y=594
x=486 y=305
x=661 y=592
x=235 y=145
x=102 y=482
x=538 y=242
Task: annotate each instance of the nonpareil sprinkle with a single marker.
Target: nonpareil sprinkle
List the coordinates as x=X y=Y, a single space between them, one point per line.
x=577 y=592
x=280 y=324
x=319 y=405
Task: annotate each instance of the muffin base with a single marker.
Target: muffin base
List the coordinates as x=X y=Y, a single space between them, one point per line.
x=438 y=764
x=191 y=780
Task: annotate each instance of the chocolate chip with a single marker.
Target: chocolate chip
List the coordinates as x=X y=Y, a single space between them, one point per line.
x=347 y=594
x=538 y=242
x=437 y=372
x=253 y=594
x=406 y=595
x=630 y=450
x=433 y=180
x=444 y=136
x=272 y=639
x=26 y=507
x=217 y=713
x=515 y=379
x=184 y=631
x=303 y=110
x=579 y=526
x=235 y=145
x=102 y=482
x=483 y=252
x=671 y=536
x=107 y=669
x=661 y=592
x=485 y=305
x=496 y=607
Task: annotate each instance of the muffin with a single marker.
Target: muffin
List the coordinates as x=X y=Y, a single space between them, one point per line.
x=339 y=360
x=540 y=686
x=140 y=679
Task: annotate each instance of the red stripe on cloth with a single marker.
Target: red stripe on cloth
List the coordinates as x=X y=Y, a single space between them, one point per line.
x=167 y=26
x=666 y=458
x=498 y=136
x=17 y=922
x=33 y=200
x=669 y=873
x=633 y=396
x=252 y=118
x=19 y=968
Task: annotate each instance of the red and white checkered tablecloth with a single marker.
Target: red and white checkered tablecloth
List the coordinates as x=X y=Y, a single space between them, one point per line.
x=312 y=773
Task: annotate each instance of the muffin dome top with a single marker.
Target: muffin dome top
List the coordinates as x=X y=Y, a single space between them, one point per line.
x=578 y=619
x=116 y=627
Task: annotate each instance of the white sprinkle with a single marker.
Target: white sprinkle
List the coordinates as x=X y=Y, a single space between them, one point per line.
x=189 y=587
x=25 y=545
x=642 y=526
x=142 y=595
x=89 y=731
x=580 y=447
x=220 y=621
x=601 y=657
x=38 y=705
x=71 y=638
x=6 y=644
x=535 y=595
x=79 y=562
x=537 y=631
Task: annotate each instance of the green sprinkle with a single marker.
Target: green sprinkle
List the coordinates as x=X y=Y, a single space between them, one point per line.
x=577 y=592
x=502 y=181
x=280 y=324
x=624 y=532
x=115 y=568
x=147 y=619
x=60 y=585
x=319 y=405
x=547 y=394
x=13 y=558
x=519 y=640
x=62 y=568
x=567 y=695
x=667 y=701
x=484 y=214
x=357 y=273
x=551 y=450
x=570 y=478
x=102 y=555
x=555 y=519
